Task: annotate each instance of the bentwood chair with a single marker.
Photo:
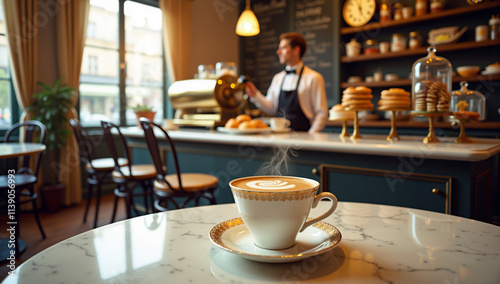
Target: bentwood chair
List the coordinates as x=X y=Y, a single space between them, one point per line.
x=178 y=185
x=129 y=177
x=27 y=176
x=98 y=170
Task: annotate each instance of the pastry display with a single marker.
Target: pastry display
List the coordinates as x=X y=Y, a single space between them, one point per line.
x=243 y=117
x=244 y=121
x=357 y=98
x=337 y=112
x=394 y=99
x=463 y=114
x=432 y=97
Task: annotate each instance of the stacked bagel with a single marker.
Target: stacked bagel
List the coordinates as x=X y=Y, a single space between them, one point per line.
x=394 y=99
x=358 y=98
x=433 y=96
x=244 y=121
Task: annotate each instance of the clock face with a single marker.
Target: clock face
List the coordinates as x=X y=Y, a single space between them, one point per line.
x=358 y=12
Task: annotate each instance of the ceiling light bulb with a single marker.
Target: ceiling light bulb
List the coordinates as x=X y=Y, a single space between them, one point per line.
x=247 y=25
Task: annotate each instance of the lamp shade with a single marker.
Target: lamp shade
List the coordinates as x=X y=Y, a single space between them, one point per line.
x=247 y=24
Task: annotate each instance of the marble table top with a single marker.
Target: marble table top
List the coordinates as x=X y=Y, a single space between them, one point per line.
x=380 y=244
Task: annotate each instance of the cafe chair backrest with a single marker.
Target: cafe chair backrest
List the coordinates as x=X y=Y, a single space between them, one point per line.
x=86 y=148
x=108 y=127
x=149 y=126
x=34 y=132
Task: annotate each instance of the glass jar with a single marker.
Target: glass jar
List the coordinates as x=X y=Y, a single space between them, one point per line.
x=415 y=40
x=226 y=68
x=205 y=71
x=398 y=42
x=474 y=101
x=436 y=6
x=494 y=27
x=352 y=48
x=385 y=11
x=398 y=11
x=371 y=47
x=431 y=83
x=420 y=7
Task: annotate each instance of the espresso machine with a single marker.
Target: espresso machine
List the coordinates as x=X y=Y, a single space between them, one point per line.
x=208 y=102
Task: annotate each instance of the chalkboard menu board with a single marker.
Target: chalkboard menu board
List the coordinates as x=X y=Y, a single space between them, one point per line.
x=312 y=19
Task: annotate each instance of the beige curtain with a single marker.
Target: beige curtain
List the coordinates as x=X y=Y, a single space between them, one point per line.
x=71 y=23
x=22 y=36
x=177 y=37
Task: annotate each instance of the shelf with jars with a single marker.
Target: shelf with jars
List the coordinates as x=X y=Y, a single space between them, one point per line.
x=403 y=39
x=407 y=82
x=420 y=51
x=421 y=18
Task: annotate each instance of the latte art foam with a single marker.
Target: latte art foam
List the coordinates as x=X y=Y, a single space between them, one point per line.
x=274 y=183
x=270 y=184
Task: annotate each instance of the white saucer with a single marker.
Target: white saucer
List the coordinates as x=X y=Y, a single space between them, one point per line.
x=233 y=236
x=282 y=130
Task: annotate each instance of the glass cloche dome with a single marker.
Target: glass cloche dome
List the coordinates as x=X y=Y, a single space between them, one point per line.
x=431 y=83
x=468 y=101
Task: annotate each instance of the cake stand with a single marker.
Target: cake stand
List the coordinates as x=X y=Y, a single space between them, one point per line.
x=462 y=137
x=431 y=115
x=393 y=135
x=345 y=132
x=355 y=134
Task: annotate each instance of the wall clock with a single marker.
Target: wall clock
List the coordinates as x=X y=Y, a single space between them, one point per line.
x=358 y=12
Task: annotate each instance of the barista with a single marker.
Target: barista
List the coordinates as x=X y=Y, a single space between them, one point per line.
x=296 y=93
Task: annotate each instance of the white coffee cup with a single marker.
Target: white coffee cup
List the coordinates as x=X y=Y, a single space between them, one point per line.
x=279 y=123
x=276 y=208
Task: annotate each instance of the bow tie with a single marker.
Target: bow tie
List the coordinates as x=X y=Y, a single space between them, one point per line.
x=290 y=71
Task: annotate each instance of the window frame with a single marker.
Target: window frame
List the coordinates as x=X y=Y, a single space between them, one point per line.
x=167 y=109
x=13 y=104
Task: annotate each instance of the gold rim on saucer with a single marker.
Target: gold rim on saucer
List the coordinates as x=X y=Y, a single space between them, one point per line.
x=234 y=237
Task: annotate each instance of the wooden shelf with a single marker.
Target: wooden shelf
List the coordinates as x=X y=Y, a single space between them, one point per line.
x=418 y=19
x=407 y=82
x=381 y=84
x=421 y=51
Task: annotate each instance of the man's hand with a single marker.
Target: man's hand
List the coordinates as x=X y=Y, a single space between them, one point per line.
x=250 y=89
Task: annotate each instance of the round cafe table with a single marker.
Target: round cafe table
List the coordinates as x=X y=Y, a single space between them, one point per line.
x=12 y=150
x=380 y=244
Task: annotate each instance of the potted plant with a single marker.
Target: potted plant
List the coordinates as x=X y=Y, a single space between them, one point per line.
x=50 y=107
x=143 y=111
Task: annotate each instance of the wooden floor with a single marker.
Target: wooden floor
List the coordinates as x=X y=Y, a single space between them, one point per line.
x=58 y=226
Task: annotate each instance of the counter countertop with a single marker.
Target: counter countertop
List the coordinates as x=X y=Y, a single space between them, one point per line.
x=408 y=146
x=380 y=244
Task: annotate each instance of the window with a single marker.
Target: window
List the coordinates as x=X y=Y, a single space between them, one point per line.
x=6 y=92
x=92 y=65
x=109 y=88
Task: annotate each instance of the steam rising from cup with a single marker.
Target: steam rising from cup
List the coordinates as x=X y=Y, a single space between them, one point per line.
x=278 y=165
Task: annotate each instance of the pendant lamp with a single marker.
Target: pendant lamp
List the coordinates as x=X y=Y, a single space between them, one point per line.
x=247 y=23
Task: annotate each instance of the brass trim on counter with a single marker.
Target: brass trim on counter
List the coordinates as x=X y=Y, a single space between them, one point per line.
x=326 y=168
x=414 y=124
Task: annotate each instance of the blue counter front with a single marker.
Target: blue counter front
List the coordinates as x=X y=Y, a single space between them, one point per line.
x=459 y=179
